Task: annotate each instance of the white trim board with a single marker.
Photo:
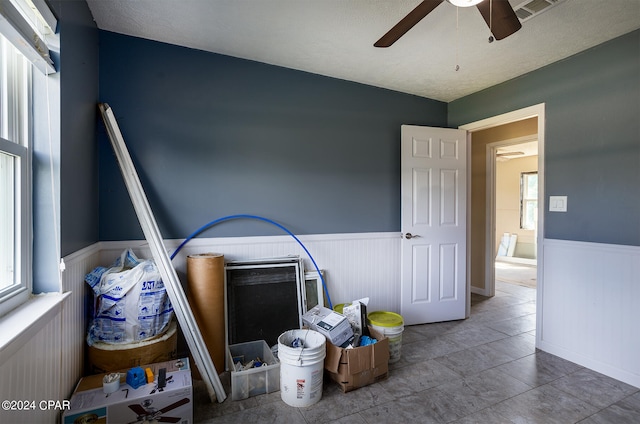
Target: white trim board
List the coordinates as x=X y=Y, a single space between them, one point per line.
x=495 y=121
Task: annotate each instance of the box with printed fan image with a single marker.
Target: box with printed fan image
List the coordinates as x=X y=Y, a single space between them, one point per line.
x=165 y=395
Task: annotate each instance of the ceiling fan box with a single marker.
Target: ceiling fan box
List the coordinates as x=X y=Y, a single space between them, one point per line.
x=89 y=403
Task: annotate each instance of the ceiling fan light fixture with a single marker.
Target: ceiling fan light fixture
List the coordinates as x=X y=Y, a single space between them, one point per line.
x=464 y=3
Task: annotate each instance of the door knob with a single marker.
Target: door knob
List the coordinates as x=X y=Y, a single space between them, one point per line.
x=409 y=236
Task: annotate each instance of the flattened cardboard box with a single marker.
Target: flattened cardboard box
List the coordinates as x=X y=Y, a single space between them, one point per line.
x=174 y=403
x=360 y=366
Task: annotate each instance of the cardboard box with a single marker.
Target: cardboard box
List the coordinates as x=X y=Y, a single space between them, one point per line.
x=105 y=358
x=147 y=403
x=334 y=326
x=360 y=366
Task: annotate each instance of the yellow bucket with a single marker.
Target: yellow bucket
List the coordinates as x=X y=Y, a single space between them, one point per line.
x=391 y=325
x=339 y=308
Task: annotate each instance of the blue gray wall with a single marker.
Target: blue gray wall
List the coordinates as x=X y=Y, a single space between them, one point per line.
x=592 y=137
x=79 y=85
x=212 y=135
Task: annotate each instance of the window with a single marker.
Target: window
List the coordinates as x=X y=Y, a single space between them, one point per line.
x=15 y=192
x=26 y=34
x=528 y=200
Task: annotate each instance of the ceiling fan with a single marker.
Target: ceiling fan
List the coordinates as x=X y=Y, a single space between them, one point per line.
x=146 y=414
x=498 y=14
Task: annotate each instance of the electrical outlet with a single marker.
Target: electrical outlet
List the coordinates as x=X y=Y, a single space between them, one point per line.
x=557 y=203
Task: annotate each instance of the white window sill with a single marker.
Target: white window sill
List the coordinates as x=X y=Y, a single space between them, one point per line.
x=21 y=324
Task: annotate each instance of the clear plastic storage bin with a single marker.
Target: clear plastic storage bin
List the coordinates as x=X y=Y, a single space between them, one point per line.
x=253 y=381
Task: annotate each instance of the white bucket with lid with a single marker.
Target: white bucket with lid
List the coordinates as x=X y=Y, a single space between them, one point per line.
x=301 y=368
x=391 y=325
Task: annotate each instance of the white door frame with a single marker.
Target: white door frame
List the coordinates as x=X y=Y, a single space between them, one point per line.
x=506 y=118
x=490 y=243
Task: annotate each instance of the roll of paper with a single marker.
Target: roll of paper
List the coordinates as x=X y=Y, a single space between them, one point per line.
x=205 y=292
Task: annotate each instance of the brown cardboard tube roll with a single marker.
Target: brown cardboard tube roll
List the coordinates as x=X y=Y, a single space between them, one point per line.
x=205 y=292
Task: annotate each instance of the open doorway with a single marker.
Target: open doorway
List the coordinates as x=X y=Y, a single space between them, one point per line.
x=512 y=192
x=485 y=137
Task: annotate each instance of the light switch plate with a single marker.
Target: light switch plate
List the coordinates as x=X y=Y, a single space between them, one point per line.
x=557 y=203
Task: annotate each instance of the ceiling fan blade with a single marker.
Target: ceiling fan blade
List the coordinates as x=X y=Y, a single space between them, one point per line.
x=175 y=405
x=169 y=419
x=138 y=409
x=408 y=22
x=504 y=21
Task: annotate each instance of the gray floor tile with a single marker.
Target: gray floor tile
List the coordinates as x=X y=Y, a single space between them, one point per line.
x=351 y=419
x=475 y=336
x=410 y=409
x=275 y=412
x=521 y=309
x=544 y=405
x=626 y=411
x=336 y=405
x=501 y=314
x=497 y=302
x=613 y=415
x=475 y=360
x=633 y=401
x=486 y=416
x=516 y=346
x=431 y=348
x=539 y=369
x=593 y=387
x=204 y=409
x=416 y=378
x=516 y=325
x=460 y=398
x=484 y=369
x=439 y=328
x=411 y=334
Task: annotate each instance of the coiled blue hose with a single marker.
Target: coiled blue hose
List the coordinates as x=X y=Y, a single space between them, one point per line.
x=259 y=218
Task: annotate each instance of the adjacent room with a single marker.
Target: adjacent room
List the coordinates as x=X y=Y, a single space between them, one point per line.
x=320 y=211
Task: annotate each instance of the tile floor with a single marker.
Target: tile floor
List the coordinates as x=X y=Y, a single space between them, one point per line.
x=481 y=370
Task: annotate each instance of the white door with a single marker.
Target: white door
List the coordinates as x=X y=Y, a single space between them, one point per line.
x=433 y=188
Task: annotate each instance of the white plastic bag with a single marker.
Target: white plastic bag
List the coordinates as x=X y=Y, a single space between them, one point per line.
x=131 y=302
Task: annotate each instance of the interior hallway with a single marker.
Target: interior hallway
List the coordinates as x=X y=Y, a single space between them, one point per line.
x=522 y=274
x=481 y=370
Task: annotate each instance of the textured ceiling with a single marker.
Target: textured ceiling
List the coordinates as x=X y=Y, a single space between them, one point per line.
x=335 y=37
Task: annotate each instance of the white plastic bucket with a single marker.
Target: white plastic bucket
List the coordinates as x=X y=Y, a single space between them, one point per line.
x=391 y=325
x=301 y=368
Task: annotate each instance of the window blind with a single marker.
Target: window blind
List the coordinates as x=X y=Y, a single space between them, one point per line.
x=27 y=24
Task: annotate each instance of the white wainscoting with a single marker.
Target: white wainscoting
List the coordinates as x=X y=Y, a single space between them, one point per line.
x=32 y=373
x=46 y=360
x=355 y=265
x=75 y=313
x=47 y=364
x=588 y=314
